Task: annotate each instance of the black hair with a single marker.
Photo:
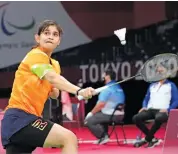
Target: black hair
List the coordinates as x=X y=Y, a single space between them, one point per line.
x=111 y=73
x=46 y=23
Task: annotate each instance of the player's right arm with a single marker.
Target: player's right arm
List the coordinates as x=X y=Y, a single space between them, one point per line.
x=63 y=84
x=60 y=82
x=38 y=63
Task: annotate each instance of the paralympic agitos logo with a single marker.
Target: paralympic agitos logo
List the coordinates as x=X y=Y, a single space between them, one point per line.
x=4 y=23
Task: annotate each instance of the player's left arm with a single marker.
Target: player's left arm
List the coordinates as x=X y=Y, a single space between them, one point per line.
x=54 y=94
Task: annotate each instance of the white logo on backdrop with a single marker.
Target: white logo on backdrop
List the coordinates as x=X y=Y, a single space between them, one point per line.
x=19 y=21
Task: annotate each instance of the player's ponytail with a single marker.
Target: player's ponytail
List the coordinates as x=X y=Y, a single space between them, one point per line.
x=35 y=46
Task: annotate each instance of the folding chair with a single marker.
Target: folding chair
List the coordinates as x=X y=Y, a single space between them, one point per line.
x=114 y=123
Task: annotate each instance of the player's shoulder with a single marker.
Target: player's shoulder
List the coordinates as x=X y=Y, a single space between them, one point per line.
x=37 y=51
x=172 y=84
x=35 y=54
x=54 y=61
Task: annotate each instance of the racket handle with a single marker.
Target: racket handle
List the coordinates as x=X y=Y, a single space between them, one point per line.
x=97 y=91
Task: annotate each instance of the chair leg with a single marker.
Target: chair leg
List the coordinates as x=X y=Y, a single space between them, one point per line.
x=124 y=134
x=116 y=136
x=112 y=130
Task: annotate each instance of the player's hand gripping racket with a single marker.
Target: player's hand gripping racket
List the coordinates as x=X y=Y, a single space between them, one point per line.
x=157 y=68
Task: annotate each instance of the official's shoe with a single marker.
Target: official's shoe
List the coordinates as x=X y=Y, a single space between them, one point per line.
x=153 y=143
x=103 y=140
x=140 y=143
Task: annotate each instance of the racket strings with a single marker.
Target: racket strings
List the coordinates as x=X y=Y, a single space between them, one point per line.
x=160 y=67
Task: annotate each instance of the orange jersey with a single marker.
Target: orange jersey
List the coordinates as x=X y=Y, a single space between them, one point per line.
x=29 y=92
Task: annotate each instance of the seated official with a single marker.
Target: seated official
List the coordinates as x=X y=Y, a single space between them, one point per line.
x=97 y=120
x=161 y=97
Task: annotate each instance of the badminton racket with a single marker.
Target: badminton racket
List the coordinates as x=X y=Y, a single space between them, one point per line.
x=156 y=68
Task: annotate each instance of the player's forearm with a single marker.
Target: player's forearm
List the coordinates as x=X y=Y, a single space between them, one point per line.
x=61 y=83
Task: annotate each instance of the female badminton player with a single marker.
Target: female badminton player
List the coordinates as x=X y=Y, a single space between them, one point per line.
x=38 y=77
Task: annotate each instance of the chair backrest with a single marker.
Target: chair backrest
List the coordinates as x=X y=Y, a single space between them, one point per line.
x=119 y=107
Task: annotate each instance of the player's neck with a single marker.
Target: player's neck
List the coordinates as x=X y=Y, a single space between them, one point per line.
x=49 y=53
x=46 y=51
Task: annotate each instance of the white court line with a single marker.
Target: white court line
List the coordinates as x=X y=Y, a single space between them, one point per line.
x=129 y=141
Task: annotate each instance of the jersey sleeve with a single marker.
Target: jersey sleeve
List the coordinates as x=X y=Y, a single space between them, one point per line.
x=38 y=63
x=56 y=66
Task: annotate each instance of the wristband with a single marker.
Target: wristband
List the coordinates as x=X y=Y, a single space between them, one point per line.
x=78 y=91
